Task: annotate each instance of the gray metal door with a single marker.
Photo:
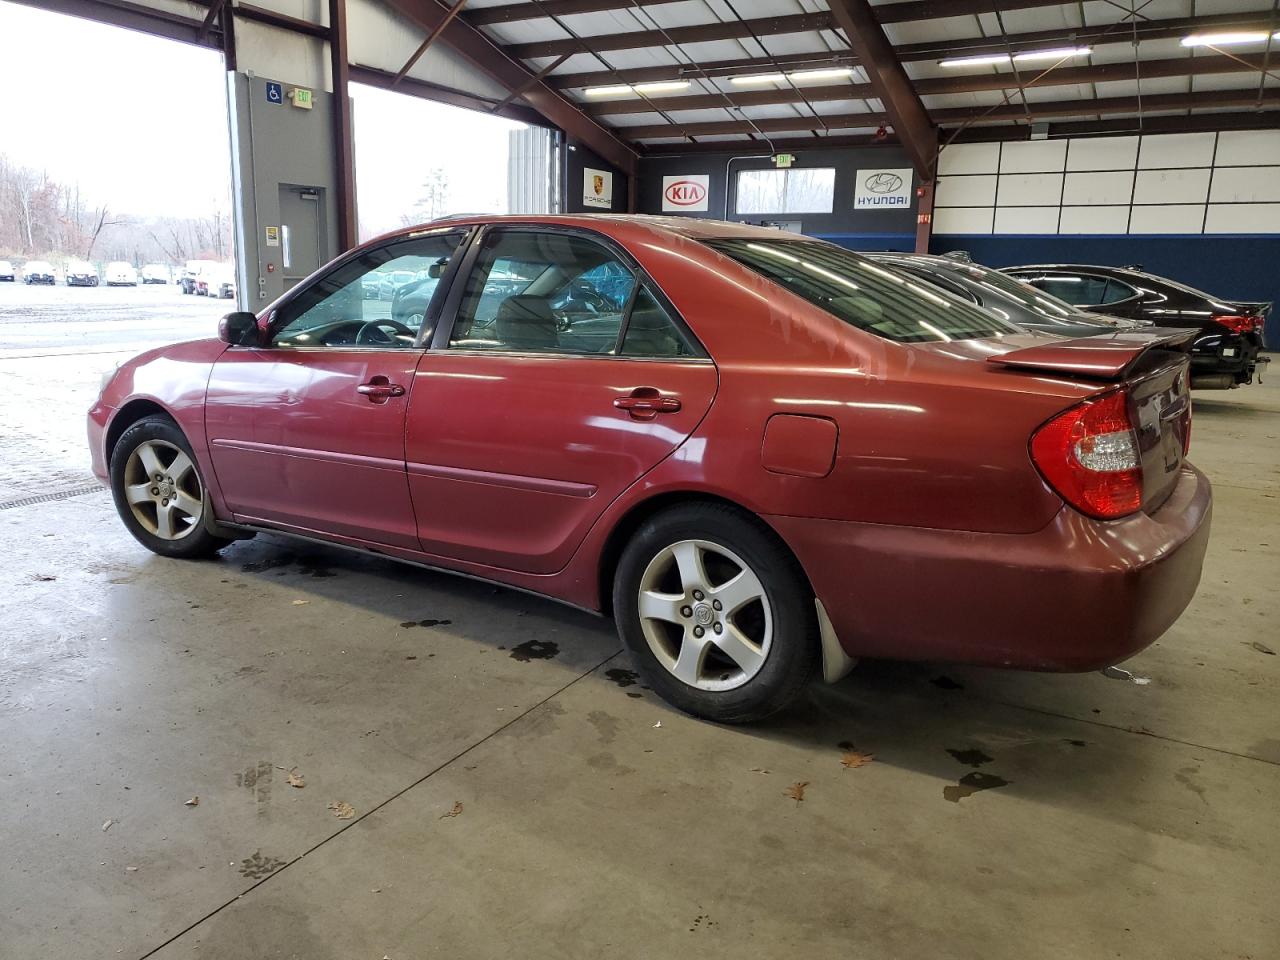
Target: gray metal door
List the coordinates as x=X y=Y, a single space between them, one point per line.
x=300 y=224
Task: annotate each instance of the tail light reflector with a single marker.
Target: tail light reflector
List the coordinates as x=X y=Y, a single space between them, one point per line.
x=1239 y=324
x=1089 y=454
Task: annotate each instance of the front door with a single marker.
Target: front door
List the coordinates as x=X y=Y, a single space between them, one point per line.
x=563 y=379
x=308 y=431
x=301 y=227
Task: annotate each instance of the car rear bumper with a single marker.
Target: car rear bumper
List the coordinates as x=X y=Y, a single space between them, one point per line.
x=1078 y=595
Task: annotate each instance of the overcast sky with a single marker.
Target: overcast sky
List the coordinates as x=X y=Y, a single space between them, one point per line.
x=141 y=123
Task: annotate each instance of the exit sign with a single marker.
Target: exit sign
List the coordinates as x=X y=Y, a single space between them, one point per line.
x=784 y=159
x=301 y=97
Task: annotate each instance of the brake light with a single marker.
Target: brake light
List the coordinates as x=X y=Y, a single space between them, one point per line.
x=1239 y=324
x=1089 y=454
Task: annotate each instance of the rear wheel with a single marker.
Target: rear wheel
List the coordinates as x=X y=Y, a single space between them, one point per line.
x=716 y=613
x=159 y=492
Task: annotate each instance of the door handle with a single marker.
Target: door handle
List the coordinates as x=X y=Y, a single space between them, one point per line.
x=645 y=403
x=380 y=390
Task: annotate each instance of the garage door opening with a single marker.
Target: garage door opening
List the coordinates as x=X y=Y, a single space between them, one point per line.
x=417 y=160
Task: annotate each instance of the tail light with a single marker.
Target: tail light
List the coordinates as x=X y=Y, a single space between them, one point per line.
x=1239 y=324
x=1089 y=454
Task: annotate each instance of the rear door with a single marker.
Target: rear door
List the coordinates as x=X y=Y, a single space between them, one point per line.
x=564 y=376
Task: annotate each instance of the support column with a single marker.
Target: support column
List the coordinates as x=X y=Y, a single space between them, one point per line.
x=924 y=216
x=343 y=128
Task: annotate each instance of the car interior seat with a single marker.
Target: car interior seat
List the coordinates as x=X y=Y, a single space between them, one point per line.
x=525 y=322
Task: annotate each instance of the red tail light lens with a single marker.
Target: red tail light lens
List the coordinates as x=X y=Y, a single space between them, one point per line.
x=1239 y=324
x=1089 y=454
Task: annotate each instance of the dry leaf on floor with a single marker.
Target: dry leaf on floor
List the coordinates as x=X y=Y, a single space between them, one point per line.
x=796 y=790
x=759 y=770
x=342 y=810
x=107 y=826
x=43 y=577
x=193 y=802
x=852 y=759
x=299 y=603
x=1263 y=648
x=454 y=810
x=295 y=779
x=658 y=725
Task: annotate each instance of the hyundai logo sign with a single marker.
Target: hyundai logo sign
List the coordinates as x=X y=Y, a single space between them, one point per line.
x=882 y=189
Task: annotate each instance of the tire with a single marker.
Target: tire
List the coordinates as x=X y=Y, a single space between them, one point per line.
x=150 y=448
x=688 y=558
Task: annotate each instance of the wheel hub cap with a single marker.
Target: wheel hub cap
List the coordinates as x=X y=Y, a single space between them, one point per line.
x=703 y=615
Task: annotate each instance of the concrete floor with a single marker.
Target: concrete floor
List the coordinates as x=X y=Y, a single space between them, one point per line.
x=1004 y=814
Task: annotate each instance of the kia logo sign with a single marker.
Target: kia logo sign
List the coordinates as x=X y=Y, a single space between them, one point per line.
x=884 y=183
x=685 y=193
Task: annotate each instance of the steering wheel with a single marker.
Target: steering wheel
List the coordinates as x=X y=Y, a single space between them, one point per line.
x=587 y=294
x=365 y=335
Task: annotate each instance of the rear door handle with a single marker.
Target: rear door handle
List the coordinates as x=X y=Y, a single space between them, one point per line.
x=380 y=390
x=645 y=403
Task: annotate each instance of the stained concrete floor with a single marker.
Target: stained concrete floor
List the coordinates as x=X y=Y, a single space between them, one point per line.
x=517 y=794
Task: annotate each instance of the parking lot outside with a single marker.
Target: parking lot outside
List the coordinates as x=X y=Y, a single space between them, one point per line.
x=184 y=741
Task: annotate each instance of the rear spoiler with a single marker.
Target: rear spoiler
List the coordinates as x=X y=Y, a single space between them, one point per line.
x=1251 y=308
x=1107 y=357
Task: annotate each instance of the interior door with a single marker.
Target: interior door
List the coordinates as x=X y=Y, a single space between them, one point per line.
x=308 y=431
x=301 y=226
x=564 y=378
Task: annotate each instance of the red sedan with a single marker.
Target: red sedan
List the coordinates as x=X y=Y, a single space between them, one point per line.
x=761 y=454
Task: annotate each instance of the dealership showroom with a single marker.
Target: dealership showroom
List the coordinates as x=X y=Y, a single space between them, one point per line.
x=637 y=478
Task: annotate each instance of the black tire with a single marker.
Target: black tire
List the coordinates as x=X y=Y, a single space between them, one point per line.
x=793 y=651
x=197 y=542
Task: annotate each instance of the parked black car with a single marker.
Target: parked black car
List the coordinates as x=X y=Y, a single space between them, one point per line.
x=1224 y=355
x=1011 y=299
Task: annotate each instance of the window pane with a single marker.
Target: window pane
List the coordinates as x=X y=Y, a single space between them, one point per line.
x=864 y=294
x=786 y=191
x=377 y=300
x=543 y=293
x=652 y=333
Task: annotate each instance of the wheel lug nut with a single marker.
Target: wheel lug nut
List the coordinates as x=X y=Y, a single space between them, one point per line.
x=155 y=491
x=698 y=631
x=718 y=627
x=699 y=595
x=164 y=503
x=717 y=604
x=686 y=611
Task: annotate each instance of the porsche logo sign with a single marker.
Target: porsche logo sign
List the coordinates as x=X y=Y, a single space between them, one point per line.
x=685 y=194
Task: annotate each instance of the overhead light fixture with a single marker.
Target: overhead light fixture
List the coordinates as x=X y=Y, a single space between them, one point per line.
x=1059 y=54
x=617 y=90
x=756 y=79
x=978 y=61
x=825 y=73
x=1223 y=39
x=661 y=86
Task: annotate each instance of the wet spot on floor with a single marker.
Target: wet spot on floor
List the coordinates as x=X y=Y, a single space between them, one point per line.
x=606 y=725
x=943 y=682
x=1075 y=743
x=635 y=696
x=535 y=650
x=1187 y=777
x=268 y=563
x=970 y=758
x=623 y=678
x=257 y=780
x=426 y=623
x=970 y=784
x=702 y=921
x=258 y=866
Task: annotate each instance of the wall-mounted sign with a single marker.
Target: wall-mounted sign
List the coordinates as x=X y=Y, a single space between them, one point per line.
x=273 y=236
x=597 y=188
x=883 y=189
x=274 y=93
x=783 y=160
x=685 y=194
x=301 y=97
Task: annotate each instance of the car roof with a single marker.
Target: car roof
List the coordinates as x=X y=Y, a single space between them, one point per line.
x=1096 y=267
x=695 y=228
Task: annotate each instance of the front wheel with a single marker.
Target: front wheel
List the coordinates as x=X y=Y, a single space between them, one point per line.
x=159 y=492
x=716 y=613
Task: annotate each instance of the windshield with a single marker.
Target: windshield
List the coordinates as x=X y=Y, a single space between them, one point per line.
x=863 y=294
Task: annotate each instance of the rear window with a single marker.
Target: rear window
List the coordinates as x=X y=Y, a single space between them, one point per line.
x=863 y=294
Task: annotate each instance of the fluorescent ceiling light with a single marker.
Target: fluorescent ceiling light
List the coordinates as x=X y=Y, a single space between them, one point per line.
x=826 y=73
x=661 y=86
x=1060 y=54
x=757 y=78
x=975 y=61
x=618 y=90
x=1223 y=39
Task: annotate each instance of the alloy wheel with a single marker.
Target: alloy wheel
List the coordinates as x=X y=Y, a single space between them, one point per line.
x=705 y=615
x=163 y=490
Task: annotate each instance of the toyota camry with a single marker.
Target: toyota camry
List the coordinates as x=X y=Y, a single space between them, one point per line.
x=763 y=455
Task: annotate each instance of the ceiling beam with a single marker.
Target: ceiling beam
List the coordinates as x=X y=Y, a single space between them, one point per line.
x=887 y=13
x=865 y=35
x=385 y=79
x=496 y=63
x=1203 y=65
x=912 y=52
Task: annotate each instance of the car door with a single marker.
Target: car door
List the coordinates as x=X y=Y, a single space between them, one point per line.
x=563 y=377
x=308 y=431
x=1088 y=291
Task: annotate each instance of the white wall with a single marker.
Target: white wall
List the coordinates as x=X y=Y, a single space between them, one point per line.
x=1178 y=183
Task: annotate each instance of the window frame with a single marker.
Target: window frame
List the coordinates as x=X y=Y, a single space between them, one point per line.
x=466 y=267
x=277 y=316
x=786 y=171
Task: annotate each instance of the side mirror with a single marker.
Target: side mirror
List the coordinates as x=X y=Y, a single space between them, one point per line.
x=239 y=328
